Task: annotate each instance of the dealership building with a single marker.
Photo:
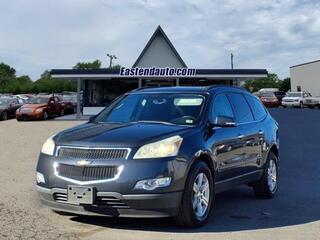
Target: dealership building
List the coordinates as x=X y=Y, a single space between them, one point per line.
x=159 y=64
x=306 y=77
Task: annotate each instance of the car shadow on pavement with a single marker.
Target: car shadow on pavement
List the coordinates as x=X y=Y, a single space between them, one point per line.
x=235 y=210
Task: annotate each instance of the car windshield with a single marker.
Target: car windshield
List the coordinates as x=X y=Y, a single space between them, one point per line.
x=4 y=101
x=181 y=109
x=38 y=100
x=69 y=98
x=294 y=94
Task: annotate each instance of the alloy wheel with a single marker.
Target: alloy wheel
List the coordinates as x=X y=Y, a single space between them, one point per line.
x=201 y=195
x=272 y=175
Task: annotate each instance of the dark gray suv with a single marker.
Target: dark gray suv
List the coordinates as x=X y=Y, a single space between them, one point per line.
x=162 y=152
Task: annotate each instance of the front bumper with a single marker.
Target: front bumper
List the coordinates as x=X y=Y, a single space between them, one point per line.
x=29 y=116
x=271 y=104
x=161 y=202
x=290 y=104
x=116 y=204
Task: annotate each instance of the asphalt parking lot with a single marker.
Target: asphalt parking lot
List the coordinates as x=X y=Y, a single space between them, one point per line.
x=293 y=214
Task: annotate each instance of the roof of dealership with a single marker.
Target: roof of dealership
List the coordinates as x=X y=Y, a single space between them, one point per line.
x=159 y=52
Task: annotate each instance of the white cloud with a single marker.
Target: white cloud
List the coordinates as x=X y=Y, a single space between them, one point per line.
x=273 y=34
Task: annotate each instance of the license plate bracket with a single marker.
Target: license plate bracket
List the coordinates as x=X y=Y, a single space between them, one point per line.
x=78 y=195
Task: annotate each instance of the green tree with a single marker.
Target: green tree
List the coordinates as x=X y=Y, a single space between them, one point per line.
x=285 y=85
x=7 y=71
x=88 y=65
x=7 y=74
x=271 y=81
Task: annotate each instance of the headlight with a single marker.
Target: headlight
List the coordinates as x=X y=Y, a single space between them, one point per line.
x=39 y=110
x=165 y=148
x=152 y=184
x=48 y=147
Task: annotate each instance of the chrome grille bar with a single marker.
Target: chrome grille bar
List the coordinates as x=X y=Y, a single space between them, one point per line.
x=93 y=153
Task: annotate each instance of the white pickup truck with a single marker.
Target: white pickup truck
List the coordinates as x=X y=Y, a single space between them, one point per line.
x=295 y=99
x=312 y=102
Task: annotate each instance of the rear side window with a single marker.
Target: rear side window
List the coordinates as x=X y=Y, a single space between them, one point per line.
x=221 y=107
x=258 y=110
x=240 y=107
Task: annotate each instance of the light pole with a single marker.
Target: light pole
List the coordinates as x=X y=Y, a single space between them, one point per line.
x=111 y=58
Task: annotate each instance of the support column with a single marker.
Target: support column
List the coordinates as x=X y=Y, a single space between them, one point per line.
x=177 y=82
x=78 y=97
x=140 y=83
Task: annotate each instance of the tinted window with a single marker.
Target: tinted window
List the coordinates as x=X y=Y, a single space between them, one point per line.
x=257 y=108
x=221 y=107
x=240 y=107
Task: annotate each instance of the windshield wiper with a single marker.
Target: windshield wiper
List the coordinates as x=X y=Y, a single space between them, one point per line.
x=151 y=121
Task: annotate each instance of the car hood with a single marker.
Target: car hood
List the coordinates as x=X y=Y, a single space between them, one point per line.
x=2 y=107
x=34 y=105
x=117 y=135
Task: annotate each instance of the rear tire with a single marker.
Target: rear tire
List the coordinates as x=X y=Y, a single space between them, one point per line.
x=264 y=188
x=197 y=202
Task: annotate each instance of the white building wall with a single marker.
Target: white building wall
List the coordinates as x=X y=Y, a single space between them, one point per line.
x=307 y=76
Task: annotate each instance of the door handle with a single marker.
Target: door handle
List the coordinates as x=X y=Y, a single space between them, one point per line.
x=240 y=136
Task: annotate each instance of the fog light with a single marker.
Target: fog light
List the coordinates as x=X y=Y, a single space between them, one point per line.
x=151 y=184
x=40 y=178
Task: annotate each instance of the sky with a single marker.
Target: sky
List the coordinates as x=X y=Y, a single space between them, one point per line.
x=36 y=35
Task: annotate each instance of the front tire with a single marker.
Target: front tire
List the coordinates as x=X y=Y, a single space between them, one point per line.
x=267 y=186
x=45 y=115
x=198 y=197
x=4 y=116
x=301 y=105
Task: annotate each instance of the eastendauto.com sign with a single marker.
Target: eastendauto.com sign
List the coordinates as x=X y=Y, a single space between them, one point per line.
x=154 y=71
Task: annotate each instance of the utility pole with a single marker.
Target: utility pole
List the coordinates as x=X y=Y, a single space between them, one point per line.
x=231 y=60
x=111 y=58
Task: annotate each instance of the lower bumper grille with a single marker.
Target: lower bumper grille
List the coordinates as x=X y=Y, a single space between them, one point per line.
x=87 y=173
x=60 y=197
x=109 y=201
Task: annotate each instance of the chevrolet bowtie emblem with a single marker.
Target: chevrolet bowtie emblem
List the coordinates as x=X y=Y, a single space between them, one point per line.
x=83 y=163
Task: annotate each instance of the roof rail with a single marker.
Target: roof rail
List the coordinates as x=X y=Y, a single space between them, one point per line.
x=216 y=86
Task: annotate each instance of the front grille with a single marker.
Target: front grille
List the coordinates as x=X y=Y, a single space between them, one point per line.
x=99 y=153
x=87 y=173
x=26 y=110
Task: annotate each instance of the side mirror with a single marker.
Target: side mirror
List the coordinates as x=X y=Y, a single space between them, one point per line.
x=91 y=118
x=224 y=121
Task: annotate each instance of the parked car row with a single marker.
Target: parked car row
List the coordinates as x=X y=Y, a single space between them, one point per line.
x=289 y=99
x=36 y=107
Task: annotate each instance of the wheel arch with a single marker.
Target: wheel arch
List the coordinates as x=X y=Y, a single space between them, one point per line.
x=205 y=157
x=275 y=150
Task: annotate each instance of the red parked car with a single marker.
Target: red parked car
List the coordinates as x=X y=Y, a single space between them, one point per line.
x=269 y=99
x=40 y=107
